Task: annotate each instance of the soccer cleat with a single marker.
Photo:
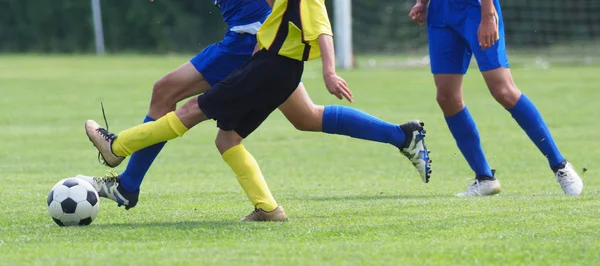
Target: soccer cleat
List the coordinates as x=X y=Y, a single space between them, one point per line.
x=415 y=149
x=103 y=140
x=569 y=180
x=259 y=215
x=482 y=188
x=108 y=186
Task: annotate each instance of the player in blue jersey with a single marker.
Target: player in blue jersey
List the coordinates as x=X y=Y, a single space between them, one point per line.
x=458 y=29
x=216 y=62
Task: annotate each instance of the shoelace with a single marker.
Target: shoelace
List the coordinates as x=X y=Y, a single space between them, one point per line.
x=104 y=132
x=111 y=177
x=256 y=210
x=474 y=186
x=107 y=135
x=563 y=174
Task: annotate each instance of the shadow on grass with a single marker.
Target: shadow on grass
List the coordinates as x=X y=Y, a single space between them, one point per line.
x=176 y=225
x=375 y=197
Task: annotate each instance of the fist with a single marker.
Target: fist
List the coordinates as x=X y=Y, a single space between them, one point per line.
x=417 y=13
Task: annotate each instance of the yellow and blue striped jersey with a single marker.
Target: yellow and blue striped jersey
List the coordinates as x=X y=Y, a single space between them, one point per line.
x=293 y=28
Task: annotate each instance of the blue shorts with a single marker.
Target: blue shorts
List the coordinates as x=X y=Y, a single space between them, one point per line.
x=452 y=31
x=218 y=60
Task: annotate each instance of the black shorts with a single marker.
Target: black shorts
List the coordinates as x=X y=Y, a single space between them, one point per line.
x=243 y=100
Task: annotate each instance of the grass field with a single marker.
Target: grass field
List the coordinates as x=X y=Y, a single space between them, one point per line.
x=350 y=202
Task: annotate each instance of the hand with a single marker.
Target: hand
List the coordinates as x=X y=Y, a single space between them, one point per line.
x=488 y=32
x=418 y=13
x=337 y=86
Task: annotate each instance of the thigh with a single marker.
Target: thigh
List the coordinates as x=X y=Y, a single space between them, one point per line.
x=181 y=83
x=448 y=51
x=493 y=57
x=300 y=110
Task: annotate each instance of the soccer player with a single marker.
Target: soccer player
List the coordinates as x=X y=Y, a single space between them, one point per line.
x=458 y=29
x=243 y=100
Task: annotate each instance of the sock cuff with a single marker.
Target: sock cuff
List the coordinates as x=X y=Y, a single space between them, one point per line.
x=148 y=119
x=462 y=112
x=176 y=124
x=522 y=99
x=330 y=113
x=231 y=153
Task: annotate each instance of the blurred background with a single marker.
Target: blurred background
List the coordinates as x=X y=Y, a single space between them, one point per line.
x=538 y=31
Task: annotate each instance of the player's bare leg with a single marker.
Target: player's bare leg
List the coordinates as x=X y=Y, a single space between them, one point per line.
x=504 y=90
x=300 y=110
x=248 y=174
x=181 y=83
x=464 y=131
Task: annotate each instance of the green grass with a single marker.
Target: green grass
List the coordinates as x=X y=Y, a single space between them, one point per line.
x=350 y=202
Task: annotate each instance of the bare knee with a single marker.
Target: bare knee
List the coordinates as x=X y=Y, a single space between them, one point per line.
x=450 y=101
x=505 y=93
x=449 y=93
x=311 y=120
x=226 y=140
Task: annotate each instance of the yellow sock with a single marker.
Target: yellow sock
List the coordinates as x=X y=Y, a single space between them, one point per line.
x=147 y=134
x=251 y=179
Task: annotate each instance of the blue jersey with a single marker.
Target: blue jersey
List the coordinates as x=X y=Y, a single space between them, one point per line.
x=243 y=12
x=243 y=18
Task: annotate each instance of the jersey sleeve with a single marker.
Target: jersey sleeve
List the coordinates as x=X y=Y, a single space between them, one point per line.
x=314 y=19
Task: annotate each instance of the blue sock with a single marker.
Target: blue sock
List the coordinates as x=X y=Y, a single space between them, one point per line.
x=139 y=163
x=463 y=128
x=354 y=123
x=530 y=120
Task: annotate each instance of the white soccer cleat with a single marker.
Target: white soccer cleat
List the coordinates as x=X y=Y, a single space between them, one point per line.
x=482 y=188
x=108 y=186
x=416 y=150
x=102 y=140
x=569 y=180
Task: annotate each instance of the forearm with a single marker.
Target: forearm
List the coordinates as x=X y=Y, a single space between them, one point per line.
x=271 y=3
x=487 y=9
x=327 y=54
x=423 y=2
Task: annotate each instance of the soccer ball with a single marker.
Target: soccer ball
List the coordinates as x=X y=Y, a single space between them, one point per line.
x=73 y=201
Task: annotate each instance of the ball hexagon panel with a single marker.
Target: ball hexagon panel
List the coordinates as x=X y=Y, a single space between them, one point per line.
x=70 y=219
x=78 y=193
x=61 y=193
x=86 y=210
x=55 y=210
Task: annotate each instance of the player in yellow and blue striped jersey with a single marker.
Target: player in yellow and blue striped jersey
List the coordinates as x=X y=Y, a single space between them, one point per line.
x=240 y=99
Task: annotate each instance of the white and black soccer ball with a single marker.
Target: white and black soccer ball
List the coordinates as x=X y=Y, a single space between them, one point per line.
x=73 y=201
